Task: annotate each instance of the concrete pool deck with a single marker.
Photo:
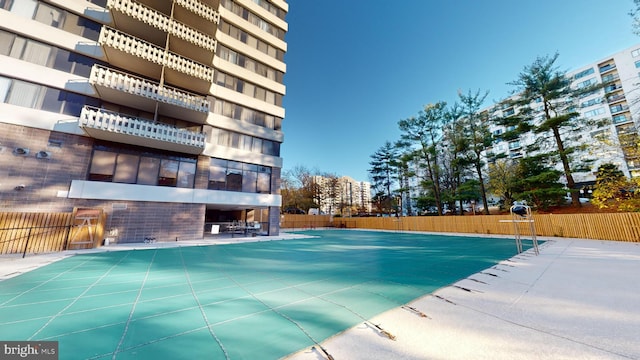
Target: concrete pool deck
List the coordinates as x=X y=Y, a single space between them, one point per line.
x=578 y=299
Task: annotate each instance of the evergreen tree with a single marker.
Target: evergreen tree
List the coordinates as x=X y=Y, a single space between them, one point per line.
x=539 y=184
x=383 y=171
x=547 y=102
x=425 y=132
x=478 y=136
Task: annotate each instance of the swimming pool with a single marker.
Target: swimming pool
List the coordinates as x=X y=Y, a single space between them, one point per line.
x=258 y=300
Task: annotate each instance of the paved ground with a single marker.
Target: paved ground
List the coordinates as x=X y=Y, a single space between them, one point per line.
x=578 y=299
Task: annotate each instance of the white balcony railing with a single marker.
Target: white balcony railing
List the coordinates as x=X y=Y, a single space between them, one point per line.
x=144 y=50
x=110 y=121
x=163 y=23
x=134 y=85
x=200 y=9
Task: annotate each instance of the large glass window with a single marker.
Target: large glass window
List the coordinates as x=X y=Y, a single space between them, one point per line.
x=44 y=54
x=236 y=176
x=113 y=165
x=148 y=171
x=102 y=166
x=23 y=94
x=251 y=116
x=218 y=174
x=168 y=173
x=249 y=178
x=53 y=16
x=5 y=83
x=264 y=180
x=249 y=64
x=52 y=100
x=24 y=8
x=186 y=175
x=126 y=168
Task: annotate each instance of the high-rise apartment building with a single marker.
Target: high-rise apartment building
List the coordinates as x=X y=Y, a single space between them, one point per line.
x=345 y=195
x=166 y=114
x=617 y=104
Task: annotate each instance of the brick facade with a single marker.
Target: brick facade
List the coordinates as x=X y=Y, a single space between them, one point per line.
x=46 y=181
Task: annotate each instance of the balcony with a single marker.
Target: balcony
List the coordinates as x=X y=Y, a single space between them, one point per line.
x=612 y=88
x=615 y=98
x=621 y=119
x=205 y=16
x=618 y=109
x=196 y=13
x=117 y=87
x=141 y=57
x=607 y=67
x=610 y=77
x=111 y=126
x=131 y=17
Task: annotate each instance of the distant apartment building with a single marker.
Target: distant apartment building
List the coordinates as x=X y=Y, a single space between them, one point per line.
x=344 y=196
x=616 y=102
x=166 y=114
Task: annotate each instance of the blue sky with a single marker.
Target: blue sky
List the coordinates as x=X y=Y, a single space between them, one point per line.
x=357 y=67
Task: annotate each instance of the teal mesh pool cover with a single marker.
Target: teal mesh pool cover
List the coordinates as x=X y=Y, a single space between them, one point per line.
x=260 y=300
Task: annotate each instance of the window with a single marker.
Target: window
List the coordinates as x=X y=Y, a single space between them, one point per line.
x=5 y=83
x=594 y=112
x=186 y=174
x=148 y=171
x=264 y=180
x=249 y=64
x=24 y=8
x=637 y=63
x=217 y=174
x=586 y=83
x=249 y=178
x=583 y=73
x=635 y=53
x=591 y=102
x=49 y=15
x=251 y=41
x=168 y=172
x=619 y=119
x=255 y=117
x=236 y=176
x=44 y=54
x=125 y=166
x=617 y=108
x=23 y=94
x=102 y=166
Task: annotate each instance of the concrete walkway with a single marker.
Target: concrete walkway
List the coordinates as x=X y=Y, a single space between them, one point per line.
x=578 y=299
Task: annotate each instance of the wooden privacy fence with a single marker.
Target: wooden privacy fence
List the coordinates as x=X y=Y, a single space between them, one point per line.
x=606 y=226
x=49 y=232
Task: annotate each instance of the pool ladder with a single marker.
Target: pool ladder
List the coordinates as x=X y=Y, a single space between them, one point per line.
x=522 y=214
